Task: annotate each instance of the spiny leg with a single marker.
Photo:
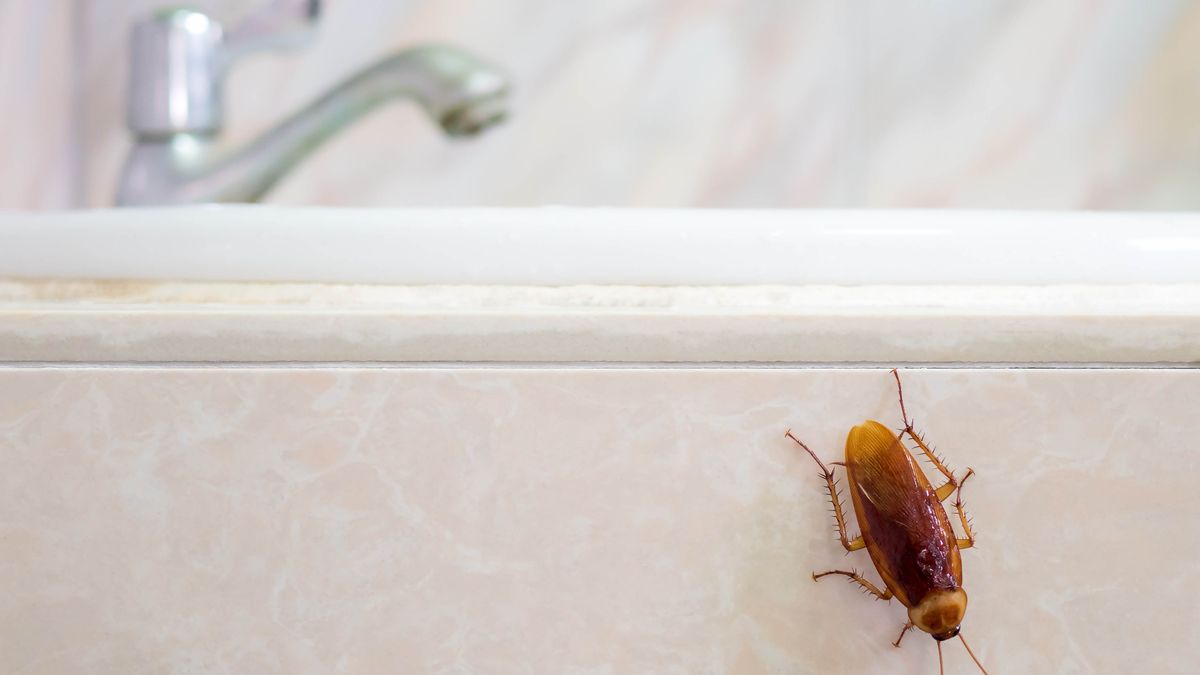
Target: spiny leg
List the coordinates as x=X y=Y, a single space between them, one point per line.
x=947 y=488
x=855 y=576
x=903 y=631
x=849 y=544
x=969 y=541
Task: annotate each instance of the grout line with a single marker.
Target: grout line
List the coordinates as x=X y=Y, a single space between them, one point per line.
x=587 y=365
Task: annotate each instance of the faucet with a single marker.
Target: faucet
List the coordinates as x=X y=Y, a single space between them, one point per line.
x=179 y=61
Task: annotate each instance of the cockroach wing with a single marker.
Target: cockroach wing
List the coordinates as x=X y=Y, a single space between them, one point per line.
x=903 y=523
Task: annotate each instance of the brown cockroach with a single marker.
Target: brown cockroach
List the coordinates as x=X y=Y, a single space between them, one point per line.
x=905 y=528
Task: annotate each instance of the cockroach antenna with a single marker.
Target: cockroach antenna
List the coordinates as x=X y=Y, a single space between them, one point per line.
x=964 y=641
x=900 y=390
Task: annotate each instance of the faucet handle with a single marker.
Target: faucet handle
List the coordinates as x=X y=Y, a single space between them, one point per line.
x=277 y=24
x=174 y=71
x=180 y=56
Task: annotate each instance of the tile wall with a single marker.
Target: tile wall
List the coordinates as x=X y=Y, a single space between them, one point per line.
x=991 y=104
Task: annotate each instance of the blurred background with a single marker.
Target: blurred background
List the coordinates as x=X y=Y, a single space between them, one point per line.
x=1070 y=104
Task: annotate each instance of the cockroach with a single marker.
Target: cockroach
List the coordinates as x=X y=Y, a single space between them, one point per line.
x=905 y=528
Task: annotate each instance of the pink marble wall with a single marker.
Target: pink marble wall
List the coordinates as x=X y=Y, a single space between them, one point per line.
x=40 y=153
x=1071 y=104
x=491 y=520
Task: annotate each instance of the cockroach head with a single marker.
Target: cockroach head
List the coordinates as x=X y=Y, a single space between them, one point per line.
x=942 y=637
x=940 y=612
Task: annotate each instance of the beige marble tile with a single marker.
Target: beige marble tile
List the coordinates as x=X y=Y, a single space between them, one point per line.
x=572 y=521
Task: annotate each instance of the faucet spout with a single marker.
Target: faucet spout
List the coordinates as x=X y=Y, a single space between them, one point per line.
x=461 y=93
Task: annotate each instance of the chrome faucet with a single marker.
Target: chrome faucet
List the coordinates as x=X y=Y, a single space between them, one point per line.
x=179 y=62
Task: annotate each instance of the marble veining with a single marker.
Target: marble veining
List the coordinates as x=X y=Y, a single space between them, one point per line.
x=572 y=521
x=989 y=104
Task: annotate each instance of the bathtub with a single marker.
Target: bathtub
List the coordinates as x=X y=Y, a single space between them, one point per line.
x=254 y=284
x=552 y=440
x=632 y=247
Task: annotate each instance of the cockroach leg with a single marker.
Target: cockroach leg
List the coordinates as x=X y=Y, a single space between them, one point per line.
x=944 y=492
x=969 y=541
x=903 y=631
x=950 y=484
x=838 y=515
x=947 y=488
x=855 y=576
